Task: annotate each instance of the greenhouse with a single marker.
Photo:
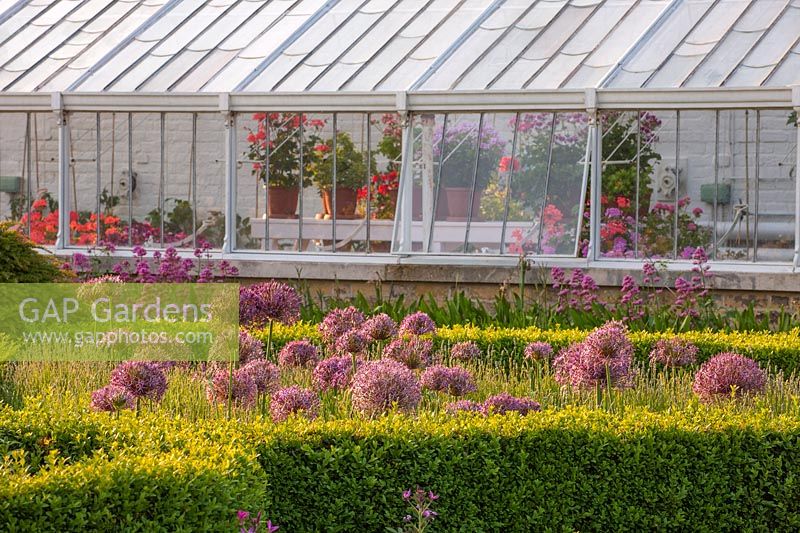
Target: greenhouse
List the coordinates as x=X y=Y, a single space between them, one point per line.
x=605 y=132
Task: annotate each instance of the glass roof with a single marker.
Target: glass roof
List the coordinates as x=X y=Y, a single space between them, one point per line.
x=718 y=43
x=395 y=45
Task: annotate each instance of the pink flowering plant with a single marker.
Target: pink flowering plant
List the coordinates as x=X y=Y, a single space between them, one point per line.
x=421 y=514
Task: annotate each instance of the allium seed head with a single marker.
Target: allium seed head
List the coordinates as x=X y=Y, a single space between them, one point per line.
x=380 y=327
x=418 y=323
x=334 y=373
x=293 y=400
x=465 y=351
x=379 y=385
x=538 y=351
x=143 y=379
x=112 y=398
x=728 y=374
x=412 y=351
x=297 y=353
x=265 y=375
x=451 y=380
x=338 y=322
x=674 y=352
x=268 y=301
x=243 y=391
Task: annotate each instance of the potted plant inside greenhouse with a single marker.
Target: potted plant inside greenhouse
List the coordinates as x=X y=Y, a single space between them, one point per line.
x=351 y=171
x=458 y=166
x=284 y=158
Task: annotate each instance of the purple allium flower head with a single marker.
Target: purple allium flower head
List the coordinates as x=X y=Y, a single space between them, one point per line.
x=250 y=348
x=465 y=351
x=243 y=393
x=418 y=323
x=504 y=402
x=334 y=373
x=463 y=405
x=414 y=352
x=538 y=351
x=112 y=398
x=380 y=327
x=674 y=352
x=265 y=375
x=143 y=379
x=726 y=374
x=451 y=380
x=605 y=356
x=379 y=385
x=268 y=301
x=338 y=322
x=293 y=400
x=297 y=353
x=352 y=342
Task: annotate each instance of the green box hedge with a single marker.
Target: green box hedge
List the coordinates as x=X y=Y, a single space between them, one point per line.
x=704 y=469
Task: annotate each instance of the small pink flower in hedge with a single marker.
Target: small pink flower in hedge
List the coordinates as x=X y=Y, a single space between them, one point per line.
x=604 y=357
x=451 y=380
x=728 y=374
x=268 y=301
x=465 y=351
x=243 y=393
x=538 y=351
x=421 y=515
x=250 y=524
x=674 y=352
x=418 y=323
x=380 y=327
x=352 y=342
x=143 y=379
x=338 y=322
x=250 y=348
x=265 y=375
x=503 y=403
x=113 y=399
x=293 y=400
x=333 y=373
x=297 y=353
x=379 y=385
x=413 y=352
x=463 y=405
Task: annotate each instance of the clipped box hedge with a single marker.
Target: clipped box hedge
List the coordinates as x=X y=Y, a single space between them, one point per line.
x=704 y=469
x=779 y=351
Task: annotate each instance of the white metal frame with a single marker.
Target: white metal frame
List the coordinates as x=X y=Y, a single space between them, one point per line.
x=228 y=104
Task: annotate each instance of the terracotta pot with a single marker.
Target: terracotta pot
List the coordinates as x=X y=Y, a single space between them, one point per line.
x=416 y=203
x=282 y=201
x=457 y=200
x=345 y=203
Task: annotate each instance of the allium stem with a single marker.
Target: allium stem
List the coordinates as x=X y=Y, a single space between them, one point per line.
x=269 y=343
x=230 y=389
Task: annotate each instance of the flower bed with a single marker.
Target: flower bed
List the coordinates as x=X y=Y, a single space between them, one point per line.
x=575 y=469
x=780 y=351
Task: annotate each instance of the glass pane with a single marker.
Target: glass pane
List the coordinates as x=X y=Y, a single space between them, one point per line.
x=210 y=154
x=528 y=183
x=736 y=169
x=661 y=187
x=774 y=233
x=84 y=179
x=15 y=198
x=40 y=176
x=379 y=200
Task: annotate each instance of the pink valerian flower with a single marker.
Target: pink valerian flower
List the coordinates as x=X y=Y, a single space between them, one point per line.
x=727 y=375
x=414 y=352
x=265 y=302
x=240 y=388
x=293 y=400
x=265 y=375
x=420 y=502
x=334 y=373
x=297 y=353
x=112 y=398
x=380 y=385
x=465 y=351
x=251 y=524
x=604 y=357
x=250 y=348
x=450 y=380
x=538 y=351
x=579 y=292
x=463 y=405
x=338 y=322
x=631 y=299
x=352 y=342
x=692 y=294
x=380 y=327
x=418 y=323
x=674 y=352
x=142 y=379
x=504 y=402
